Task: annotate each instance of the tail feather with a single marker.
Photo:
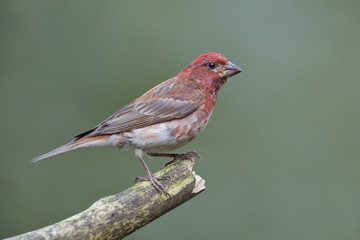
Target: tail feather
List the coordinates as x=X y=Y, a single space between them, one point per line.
x=65 y=148
x=98 y=141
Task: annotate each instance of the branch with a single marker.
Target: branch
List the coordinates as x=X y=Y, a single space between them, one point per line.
x=117 y=216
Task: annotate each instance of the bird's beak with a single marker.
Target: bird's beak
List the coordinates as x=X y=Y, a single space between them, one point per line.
x=230 y=69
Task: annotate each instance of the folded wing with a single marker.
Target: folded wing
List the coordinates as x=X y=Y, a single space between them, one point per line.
x=149 y=110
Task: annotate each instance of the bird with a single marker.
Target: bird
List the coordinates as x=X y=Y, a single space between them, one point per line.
x=166 y=117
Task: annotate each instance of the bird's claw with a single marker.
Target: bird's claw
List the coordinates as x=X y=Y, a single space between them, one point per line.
x=184 y=156
x=155 y=181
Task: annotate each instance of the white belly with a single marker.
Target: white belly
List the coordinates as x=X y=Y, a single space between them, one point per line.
x=165 y=136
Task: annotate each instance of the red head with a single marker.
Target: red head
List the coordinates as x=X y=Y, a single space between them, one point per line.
x=210 y=70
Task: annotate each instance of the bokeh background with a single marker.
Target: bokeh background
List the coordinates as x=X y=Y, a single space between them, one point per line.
x=281 y=150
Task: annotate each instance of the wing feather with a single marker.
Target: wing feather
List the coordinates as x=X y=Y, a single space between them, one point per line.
x=149 y=110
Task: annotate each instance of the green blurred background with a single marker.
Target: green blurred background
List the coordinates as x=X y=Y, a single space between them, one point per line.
x=281 y=150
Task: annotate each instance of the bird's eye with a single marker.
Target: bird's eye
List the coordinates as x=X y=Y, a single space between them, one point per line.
x=211 y=65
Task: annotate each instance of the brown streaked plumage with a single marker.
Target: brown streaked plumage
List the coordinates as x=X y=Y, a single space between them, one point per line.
x=166 y=117
x=150 y=109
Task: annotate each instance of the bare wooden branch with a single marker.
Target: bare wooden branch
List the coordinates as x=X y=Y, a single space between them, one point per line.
x=116 y=216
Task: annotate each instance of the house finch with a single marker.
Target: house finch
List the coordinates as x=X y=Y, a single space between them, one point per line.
x=165 y=118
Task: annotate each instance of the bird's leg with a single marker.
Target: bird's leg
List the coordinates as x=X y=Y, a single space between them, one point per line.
x=177 y=156
x=154 y=180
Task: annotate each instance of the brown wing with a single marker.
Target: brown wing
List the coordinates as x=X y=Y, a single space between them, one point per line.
x=149 y=110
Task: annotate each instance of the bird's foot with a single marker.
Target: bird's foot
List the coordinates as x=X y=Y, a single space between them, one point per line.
x=184 y=156
x=177 y=156
x=155 y=181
